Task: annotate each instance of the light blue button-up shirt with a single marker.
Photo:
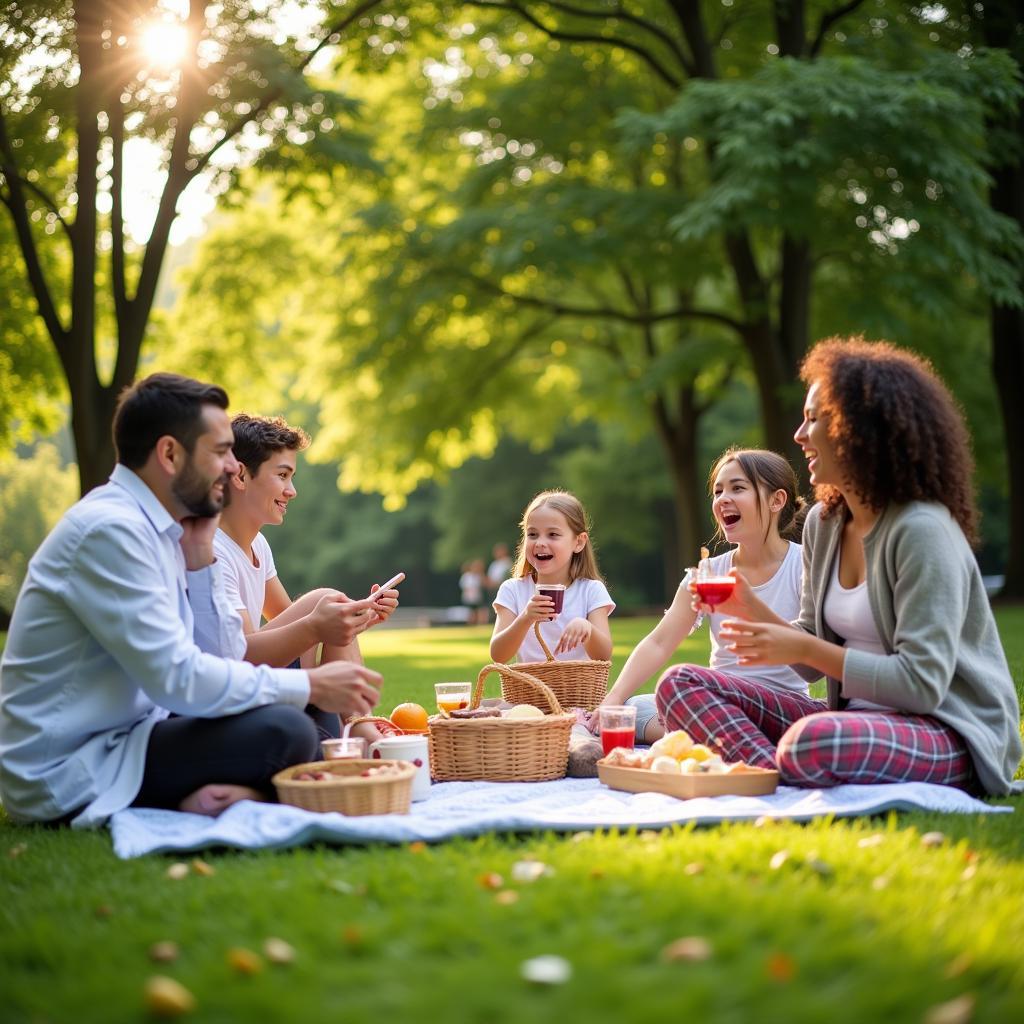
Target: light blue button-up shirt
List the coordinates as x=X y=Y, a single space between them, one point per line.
x=109 y=635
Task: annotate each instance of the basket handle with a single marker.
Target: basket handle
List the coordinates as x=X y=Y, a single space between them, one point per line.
x=385 y=725
x=525 y=677
x=543 y=646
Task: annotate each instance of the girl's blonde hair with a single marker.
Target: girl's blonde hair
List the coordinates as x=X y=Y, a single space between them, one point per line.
x=767 y=472
x=583 y=564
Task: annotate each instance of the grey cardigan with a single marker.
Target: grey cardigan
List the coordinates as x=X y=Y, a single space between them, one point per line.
x=943 y=654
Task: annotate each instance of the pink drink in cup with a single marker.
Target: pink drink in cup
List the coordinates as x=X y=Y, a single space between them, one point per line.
x=713 y=590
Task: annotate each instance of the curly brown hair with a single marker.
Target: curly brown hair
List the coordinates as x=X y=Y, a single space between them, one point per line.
x=898 y=433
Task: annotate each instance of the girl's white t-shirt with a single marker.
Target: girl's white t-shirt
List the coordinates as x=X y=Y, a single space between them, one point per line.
x=782 y=594
x=581 y=598
x=245 y=583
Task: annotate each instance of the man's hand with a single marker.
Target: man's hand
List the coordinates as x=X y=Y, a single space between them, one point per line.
x=337 y=620
x=344 y=687
x=197 y=540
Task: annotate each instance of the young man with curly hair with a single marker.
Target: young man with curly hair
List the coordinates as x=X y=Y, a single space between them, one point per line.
x=293 y=631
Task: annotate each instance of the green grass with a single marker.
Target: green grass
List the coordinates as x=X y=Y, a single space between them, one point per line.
x=860 y=922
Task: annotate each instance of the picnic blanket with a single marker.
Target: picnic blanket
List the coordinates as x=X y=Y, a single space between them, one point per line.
x=472 y=808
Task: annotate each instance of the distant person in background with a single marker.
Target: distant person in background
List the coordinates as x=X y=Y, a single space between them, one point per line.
x=497 y=571
x=471 y=582
x=122 y=681
x=324 y=621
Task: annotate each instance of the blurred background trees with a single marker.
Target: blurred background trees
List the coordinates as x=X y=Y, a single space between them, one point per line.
x=485 y=248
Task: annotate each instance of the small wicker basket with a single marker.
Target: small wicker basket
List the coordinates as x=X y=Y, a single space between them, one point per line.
x=502 y=749
x=576 y=684
x=348 y=792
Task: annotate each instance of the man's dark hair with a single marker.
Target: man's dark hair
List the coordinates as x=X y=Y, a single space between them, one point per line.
x=158 y=405
x=257 y=437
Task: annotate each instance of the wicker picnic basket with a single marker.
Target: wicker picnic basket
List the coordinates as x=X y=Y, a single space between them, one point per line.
x=576 y=684
x=502 y=749
x=348 y=792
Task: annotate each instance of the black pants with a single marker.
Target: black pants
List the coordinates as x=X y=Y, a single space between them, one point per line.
x=185 y=754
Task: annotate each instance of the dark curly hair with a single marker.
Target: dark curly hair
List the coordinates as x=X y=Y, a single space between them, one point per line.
x=257 y=437
x=898 y=433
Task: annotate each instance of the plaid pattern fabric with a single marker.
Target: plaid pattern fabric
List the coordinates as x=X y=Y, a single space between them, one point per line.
x=810 y=745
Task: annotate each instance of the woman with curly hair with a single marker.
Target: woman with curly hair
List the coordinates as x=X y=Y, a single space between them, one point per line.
x=893 y=611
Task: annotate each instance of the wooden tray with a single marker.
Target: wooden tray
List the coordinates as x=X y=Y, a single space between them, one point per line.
x=749 y=782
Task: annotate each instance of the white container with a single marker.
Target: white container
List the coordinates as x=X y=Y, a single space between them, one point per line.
x=407 y=748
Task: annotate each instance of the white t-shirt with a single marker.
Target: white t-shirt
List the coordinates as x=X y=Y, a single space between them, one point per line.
x=498 y=570
x=245 y=583
x=847 y=612
x=581 y=598
x=782 y=594
x=472 y=586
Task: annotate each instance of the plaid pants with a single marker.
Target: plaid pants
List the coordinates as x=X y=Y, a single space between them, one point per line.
x=810 y=745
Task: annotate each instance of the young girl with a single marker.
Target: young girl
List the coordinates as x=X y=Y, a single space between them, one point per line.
x=756 y=506
x=893 y=610
x=555 y=548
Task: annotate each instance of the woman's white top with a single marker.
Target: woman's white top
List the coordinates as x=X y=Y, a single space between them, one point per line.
x=581 y=598
x=782 y=594
x=245 y=583
x=848 y=614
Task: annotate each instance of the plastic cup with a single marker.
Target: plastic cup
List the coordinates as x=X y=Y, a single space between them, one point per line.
x=556 y=591
x=452 y=696
x=618 y=727
x=343 y=749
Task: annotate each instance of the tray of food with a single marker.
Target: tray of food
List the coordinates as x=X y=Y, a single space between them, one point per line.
x=677 y=766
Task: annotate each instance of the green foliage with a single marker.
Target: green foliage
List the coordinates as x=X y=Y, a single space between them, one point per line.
x=34 y=493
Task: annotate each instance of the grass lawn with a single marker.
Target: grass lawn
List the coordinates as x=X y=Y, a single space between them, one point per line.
x=831 y=921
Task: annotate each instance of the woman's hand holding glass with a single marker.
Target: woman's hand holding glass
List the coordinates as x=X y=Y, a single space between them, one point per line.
x=764 y=643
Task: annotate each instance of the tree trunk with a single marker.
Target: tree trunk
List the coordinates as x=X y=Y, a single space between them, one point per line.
x=1000 y=27
x=1008 y=369
x=678 y=436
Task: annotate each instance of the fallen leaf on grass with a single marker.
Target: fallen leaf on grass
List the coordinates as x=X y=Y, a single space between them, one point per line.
x=418 y=846
x=780 y=967
x=880 y=883
x=956 y=1011
x=872 y=840
x=17 y=850
x=245 y=961
x=352 y=936
x=104 y=910
x=277 y=951
x=969 y=872
x=530 y=870
x=506 y=897
x=490 y=880
x=166 y=997
x=178 y=871
x=692 y=949
x=959 y=965
x=933 y=838
x=596 y=873
x=694 y=868
x=546 y=970
x=200 y=867
x=778 y=859
x=163 y=952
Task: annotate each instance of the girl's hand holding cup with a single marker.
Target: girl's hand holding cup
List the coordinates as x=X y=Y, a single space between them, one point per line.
x=540 y=608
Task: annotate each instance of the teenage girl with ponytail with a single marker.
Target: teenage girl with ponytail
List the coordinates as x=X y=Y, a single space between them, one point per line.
x=756 y=507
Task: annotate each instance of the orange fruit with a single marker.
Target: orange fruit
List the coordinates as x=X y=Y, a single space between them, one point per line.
x=409 y=716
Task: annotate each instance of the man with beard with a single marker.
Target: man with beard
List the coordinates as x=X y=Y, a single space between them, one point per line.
x=122 y=681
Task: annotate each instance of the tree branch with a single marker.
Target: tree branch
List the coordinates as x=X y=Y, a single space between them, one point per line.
x=584 y=37
x=602 y=313
x=691 y=21
x=828 y=19
x=15 y=202
x=633 y=19
x=51 y=205
x=329 y=39
x=116 y=117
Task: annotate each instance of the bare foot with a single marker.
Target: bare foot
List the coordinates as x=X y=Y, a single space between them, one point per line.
x=216 y=797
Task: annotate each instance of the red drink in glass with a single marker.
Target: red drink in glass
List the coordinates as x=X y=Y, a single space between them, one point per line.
x=556 y=593
x=612 y=738
x=715 y=589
